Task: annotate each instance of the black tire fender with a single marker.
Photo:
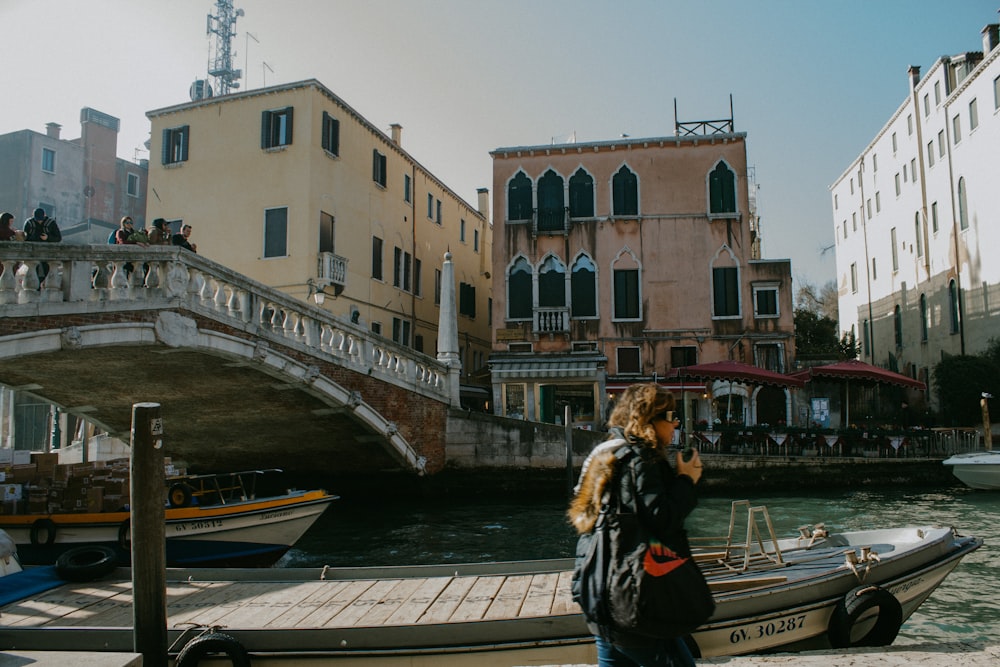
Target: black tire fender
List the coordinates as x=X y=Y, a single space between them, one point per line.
x=853 y=606
x=125 y=535
x=86 y=563
x=48 y=526
x=214 y=643
x=179 y=495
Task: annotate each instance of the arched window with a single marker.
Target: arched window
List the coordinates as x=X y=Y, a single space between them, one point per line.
x=583 y=288
x=953 y=305
x=581 y=195
x=551 y=283
x=963 y=205
x=627 y=295
x=625 y=192
x=519 y=197
x=519 y=290
x=897 y=318
x=551 y=206
x=923 y=318
x=721 y=190
x=725 y=285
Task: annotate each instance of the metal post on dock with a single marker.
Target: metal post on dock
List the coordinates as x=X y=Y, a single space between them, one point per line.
x=148 y=529
x=569 y=450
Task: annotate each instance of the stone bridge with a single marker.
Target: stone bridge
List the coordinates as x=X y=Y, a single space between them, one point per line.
x=246 y=376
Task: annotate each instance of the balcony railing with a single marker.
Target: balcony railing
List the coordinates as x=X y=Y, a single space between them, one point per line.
x=551 y=221
x=551 y=320
x=333 y=269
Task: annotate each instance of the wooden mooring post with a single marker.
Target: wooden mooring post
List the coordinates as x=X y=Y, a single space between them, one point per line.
x=148 y=530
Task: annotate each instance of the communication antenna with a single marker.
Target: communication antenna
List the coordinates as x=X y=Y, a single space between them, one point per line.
x=222 y=30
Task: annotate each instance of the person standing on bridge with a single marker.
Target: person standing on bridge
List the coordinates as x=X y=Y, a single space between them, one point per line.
x=7 y=231
x=40 y=228
x=160 y=234
x=631 y=470
x=183 y=239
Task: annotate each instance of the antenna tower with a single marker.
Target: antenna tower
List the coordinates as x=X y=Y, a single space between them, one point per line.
x=222 y=28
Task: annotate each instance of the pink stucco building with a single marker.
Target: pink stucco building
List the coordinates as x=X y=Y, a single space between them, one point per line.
x=618 y=261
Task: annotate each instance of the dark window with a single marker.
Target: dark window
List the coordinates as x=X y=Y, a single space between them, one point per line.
x=397 y=266
x=430 y=205
x=581 y=195
x=583 y=289
x=963 y=205
x=769 y=357
x=519 y=291
x=551 y=206
x=766 y=302
x=132 y=185
x=331 y=134
x=722 y=190
x=276 y=232
x=437 y=287
x=467 y=299
x=325 y=232
x=407 y=187
x=401 y=331
x=376 y=258
x=552 y=284
x=48 y=160
x=416 y=277
x=418 y=342
x=923 y=317
x=519 y=197
x=897 y=317
x=725 y=289
x=378 y=168
x=276 y=128
x=628 y=361
x=953 y=306
x=626 y=294
x=685 y=355
x=175 y=145
x=866 y=338
x=625 y=188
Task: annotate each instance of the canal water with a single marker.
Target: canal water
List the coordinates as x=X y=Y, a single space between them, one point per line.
x=966 y=607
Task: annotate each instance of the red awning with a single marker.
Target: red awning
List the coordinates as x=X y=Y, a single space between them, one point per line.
x=734 y=371
x=859 y=371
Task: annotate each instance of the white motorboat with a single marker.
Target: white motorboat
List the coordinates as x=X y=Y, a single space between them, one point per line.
x=978 y=470
x=815 y=590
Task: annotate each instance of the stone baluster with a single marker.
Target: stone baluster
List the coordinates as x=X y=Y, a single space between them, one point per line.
x=207 y=291
x=101 y=280
x=290 y=330
x=220 y=299
x=233 y=303
x=153 y=279
x=195 y=285
x=29 y=283
x=51 y=289
x=277 y=318
x=260 y=316
x=8 y=286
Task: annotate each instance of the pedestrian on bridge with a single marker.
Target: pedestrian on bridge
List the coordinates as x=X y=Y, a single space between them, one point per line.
x=40 y=228
x=183 y=239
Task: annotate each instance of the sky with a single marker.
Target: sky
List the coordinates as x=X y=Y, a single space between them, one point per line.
x=811 y=82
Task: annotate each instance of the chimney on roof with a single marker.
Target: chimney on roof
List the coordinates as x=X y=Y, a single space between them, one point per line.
x=397 y=133
x=914 y=76
x=483 y=203
x=52 y=130
x=991 y=38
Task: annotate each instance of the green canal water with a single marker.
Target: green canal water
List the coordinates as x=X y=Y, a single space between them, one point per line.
x=965 y=607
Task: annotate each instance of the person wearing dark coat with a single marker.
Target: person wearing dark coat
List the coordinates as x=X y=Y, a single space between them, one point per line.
x=40 y=228
x=662 y=497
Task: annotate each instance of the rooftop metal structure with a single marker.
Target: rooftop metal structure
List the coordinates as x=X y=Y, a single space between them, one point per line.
x=222 y=29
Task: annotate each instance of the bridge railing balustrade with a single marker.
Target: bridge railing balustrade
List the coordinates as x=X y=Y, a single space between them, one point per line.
x=170 y=276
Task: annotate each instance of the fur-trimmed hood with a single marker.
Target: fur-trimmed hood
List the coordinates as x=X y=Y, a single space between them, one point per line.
x=598 y=471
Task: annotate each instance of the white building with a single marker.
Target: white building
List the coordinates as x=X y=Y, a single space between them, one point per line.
x=915 y=215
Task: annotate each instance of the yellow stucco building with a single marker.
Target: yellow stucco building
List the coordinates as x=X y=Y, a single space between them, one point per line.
x=292 y=187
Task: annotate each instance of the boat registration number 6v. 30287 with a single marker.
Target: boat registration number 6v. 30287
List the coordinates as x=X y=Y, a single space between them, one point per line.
x=769 y=629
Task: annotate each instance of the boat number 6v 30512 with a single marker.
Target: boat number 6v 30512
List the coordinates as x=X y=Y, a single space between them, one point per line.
x=769 y=629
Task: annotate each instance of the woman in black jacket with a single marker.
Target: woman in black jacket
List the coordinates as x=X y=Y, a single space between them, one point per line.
x=661 y=496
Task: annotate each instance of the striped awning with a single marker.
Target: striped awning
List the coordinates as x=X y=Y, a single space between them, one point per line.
x=530 y=369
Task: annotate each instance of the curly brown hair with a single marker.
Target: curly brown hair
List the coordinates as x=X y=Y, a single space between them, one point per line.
x=636 y=409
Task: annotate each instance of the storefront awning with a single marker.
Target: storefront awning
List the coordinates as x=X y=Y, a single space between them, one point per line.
x=618 y=387
x=545 y=368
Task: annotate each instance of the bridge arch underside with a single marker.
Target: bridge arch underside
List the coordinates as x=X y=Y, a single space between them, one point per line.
x=227 y=403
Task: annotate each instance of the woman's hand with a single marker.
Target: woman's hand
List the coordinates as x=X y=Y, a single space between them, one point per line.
x=692 y=467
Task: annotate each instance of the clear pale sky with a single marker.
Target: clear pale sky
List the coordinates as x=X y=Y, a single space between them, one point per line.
x=812 y=82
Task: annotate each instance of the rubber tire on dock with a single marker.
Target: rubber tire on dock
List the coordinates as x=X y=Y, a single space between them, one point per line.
x=850 y=609
x=86 y=563
x=213 y=644
x=47 y=525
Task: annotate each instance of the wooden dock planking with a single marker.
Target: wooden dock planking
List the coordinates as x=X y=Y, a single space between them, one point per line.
x=320 y=616
x=273 y=604
x=478 y=599
x=242 y=611
x=52 y=606
x=390 y=603
x=510 y=597
x=320 y=593
x=351 y=613
x=426 y=594
x=541 y=594
x=563 y=601
x=190 y=608
x=444 y=605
